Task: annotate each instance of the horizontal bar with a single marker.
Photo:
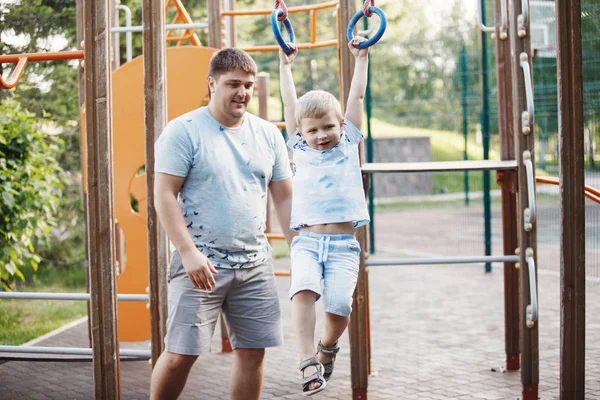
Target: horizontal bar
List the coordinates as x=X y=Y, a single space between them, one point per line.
x=169 y=27
x=301 y=46
x=67 y=296
x=45 y=56
x=233 y=13
x=81 y=351
x=442 y=260
x=440 y=166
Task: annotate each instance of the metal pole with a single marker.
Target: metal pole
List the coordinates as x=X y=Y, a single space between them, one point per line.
x=369 y=143
x=463 y=69
x=485 y=130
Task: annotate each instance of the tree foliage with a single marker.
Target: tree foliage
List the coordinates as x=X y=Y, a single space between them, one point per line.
x=30 y=187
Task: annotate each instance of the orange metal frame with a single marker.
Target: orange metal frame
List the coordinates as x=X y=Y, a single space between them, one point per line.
x=590 y=192
x=23 y=59
x=183 y=17
x=312 y=9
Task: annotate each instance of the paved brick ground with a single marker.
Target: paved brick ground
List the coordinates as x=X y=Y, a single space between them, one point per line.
x=437 y=333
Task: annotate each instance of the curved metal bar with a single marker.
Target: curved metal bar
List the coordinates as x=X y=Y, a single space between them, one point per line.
x=376 y=36
x=128 y=39
x=529 y=212
x=15 y=76
x=480 y=19
x=532 y=308
x=442 y=260
x=288 y=26
x=527 y=119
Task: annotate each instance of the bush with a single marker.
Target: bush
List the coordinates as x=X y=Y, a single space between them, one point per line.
x=30 y=187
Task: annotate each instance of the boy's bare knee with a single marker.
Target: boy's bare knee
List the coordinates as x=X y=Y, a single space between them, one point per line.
x=250 y=356
x=176 y=362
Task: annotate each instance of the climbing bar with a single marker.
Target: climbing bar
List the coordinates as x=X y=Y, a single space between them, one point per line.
x=67 y=296
x=527 y=116
x=523 y=19
x=441 y=166
x=313 y=44
x=277 y=32
x=376 y=36
x=503 y=23
x=529 y=212
x=168 y=27
x=82 y=351
x=532 y=309
x=291 y=10
x=275 y=236
x=23 y=59
x=590 y=192
x=442 y=260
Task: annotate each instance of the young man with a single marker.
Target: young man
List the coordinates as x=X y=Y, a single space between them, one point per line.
x=213 y=168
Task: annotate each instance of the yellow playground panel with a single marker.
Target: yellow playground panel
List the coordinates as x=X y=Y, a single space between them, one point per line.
x=187 y=69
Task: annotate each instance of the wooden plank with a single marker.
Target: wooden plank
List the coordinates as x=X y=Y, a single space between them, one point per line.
x=214 y=24
x=508 y=182
x=572 y=201
x=231 y=32
x=100 y=220
x=155 y=119
x=441 y=166
x=529 y=340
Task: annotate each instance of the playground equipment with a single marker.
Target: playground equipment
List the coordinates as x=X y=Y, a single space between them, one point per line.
x=515 y=110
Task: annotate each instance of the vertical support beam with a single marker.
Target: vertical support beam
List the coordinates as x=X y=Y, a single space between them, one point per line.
x=230 y=31
x=98 y=87
x=359 y=326
x=485 y=130
x=80 y=28
x=115 y=51
x=524 y=141
x=214 y=23
x=508 y=182
x=572 y=210
x=155 y=119
x=347 y=9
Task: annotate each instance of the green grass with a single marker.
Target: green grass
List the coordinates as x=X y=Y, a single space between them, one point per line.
x=280 y=249
x=24 y=320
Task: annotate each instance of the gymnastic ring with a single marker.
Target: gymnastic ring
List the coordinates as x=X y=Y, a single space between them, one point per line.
x=378 y=34
x=288 y=26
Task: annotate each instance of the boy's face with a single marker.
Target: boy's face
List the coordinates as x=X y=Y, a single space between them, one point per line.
x=321 y=133
x=231 y=93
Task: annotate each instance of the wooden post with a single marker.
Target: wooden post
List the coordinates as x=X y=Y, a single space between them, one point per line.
x=508 y=182
x=572 y=201
x=520 y=41
x=214 y=23
x=155 y=119
x=358 y=327
x=101 y=244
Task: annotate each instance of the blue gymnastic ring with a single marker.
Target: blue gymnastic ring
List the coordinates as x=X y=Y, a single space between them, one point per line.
x=288 y=26
x=378 y=34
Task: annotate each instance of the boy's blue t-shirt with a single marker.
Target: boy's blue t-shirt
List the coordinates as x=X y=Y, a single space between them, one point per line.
x=227 y=173
x=327 y=185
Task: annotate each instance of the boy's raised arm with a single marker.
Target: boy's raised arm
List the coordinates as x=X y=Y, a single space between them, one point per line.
x=288 y=89
x=354 y=106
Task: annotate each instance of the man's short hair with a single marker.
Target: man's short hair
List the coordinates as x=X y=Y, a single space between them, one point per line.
x=231 y=59
x=316 y=104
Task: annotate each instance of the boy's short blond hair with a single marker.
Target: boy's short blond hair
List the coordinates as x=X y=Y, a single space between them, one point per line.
x=315 y=104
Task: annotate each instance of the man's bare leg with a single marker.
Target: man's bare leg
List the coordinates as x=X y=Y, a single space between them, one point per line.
x=170 y=375
x=247 y=374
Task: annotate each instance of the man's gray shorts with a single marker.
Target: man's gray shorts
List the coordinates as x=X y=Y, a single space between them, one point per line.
x=247 y=296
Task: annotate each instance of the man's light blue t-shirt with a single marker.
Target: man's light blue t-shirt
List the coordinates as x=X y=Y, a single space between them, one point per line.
x=328 y=184
x=227 y=171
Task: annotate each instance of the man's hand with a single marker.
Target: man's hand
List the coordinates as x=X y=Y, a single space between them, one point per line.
x=358 y=53
x=199 y=269
x=287 y=59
